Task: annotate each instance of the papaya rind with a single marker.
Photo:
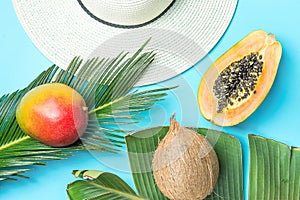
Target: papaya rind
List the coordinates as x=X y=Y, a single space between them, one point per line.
x=257 y=41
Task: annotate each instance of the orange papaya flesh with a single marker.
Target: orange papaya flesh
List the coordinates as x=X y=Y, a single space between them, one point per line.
x=236 y=83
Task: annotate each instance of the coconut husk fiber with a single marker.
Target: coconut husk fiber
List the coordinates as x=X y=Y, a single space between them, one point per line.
x=185 y=165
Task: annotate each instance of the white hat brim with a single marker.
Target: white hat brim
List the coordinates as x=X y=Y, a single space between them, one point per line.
x=181 y=37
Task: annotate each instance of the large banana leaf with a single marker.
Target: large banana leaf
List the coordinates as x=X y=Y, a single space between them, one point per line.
x=274 y=167
x=142 y=145
x=104 y=84
x=100 y=186
x=274 y=170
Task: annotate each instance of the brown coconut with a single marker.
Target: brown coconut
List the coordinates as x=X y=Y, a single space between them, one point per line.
x=185 y=165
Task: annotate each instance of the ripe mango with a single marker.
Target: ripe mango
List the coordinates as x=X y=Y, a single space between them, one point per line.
x=54 y=113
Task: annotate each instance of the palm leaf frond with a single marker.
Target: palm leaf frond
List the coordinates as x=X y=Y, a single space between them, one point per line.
x=121 y=111
x=104 y=84
x=99 y=185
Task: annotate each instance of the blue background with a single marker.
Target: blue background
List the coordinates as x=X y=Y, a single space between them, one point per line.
x=277 y=117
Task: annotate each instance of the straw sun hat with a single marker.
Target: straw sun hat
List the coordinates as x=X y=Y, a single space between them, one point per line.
x=182 y=31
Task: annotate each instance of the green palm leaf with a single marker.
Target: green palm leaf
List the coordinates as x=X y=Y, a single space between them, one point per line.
x=104 y=84
x=99 y=185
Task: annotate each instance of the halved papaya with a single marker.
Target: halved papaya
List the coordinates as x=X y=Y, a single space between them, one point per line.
x=236 y=83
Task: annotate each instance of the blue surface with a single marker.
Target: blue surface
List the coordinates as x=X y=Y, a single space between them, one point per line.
x=276 y=118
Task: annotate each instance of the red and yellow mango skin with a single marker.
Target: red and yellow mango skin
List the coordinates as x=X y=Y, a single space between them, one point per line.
x=55 y=114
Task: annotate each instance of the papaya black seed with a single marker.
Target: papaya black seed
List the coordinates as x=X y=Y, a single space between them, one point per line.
x=237 y=80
